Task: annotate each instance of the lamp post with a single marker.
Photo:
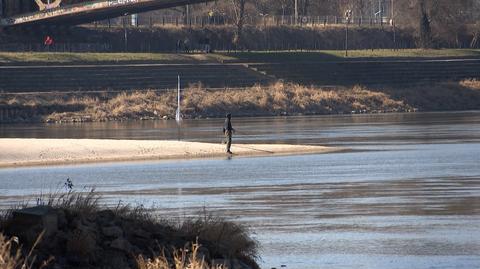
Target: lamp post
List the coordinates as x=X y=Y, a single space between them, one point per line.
x=348 y=16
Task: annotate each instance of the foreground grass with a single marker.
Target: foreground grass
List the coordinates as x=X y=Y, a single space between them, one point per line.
x=10 y=257
x=323 y=55
x=66 y=58
x=279 y=99
x=93 y=236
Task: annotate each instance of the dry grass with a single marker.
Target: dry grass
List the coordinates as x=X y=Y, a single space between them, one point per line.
x=226 y=237
x=80 y=203
x=287 y=99
x=276 y=99
x=186 y=258
x=473 y=84
x=10 y=255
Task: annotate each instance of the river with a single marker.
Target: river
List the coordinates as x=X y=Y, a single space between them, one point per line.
x=407 y=195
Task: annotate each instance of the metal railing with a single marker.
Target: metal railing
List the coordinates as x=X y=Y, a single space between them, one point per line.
x=177 y=20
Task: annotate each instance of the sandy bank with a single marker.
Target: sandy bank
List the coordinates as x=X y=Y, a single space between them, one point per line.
x=31 y=152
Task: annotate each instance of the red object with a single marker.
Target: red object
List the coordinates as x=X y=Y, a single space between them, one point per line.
x=48 y=41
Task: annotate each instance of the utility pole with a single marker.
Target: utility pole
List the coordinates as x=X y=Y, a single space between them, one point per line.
x=296 y=12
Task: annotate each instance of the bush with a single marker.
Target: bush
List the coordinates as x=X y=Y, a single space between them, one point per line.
x=92 y=236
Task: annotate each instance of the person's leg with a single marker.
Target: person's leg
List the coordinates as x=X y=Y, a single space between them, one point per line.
x=229 y=141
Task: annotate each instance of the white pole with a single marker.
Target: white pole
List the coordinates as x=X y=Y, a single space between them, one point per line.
x=178 y=116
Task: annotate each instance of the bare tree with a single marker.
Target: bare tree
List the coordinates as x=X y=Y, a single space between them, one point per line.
x=239 y=20
x=443 y=23
x=437 y=20
x=425 y=29
x=306 y=7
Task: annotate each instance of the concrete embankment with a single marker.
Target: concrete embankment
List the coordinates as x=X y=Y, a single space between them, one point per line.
x=31 y=152
x=101 y=77
x=115 y=77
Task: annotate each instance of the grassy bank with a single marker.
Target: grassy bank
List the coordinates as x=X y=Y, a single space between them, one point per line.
x=325 y=55
x=252 y=56
x=89 y=235
x=97 y=58
x=277 y=99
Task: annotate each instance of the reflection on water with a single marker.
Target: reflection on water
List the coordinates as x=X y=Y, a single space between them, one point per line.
x=408 y=198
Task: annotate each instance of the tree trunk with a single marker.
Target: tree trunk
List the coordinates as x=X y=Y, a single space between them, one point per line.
x=425 y=28
x=239 y=6
x=475 y=40
x=306 y=7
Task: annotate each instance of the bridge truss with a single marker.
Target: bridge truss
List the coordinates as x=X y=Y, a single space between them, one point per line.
x=90 y=11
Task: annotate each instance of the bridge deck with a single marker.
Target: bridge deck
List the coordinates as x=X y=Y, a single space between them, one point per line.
x=92 y=11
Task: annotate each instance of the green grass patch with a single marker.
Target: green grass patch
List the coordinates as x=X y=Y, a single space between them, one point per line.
x=67 y=58
x=254 y=56
x=324 y=55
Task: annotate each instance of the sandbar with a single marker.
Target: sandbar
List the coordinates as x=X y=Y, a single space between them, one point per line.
x=39 y=152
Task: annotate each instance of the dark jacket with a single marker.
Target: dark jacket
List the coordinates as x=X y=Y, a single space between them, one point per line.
x=227 y=126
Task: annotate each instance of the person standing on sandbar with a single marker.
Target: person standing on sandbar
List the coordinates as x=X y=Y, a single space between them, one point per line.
x=228 y=131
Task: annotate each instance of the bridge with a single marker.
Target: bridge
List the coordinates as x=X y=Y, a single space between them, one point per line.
x=54 y=12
